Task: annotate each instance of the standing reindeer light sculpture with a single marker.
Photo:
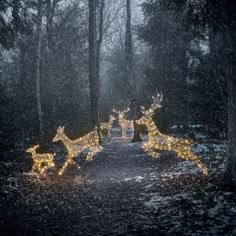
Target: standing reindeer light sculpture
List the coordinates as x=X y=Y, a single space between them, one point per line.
x=108 y=125
x=159 y=141
x=75 y=147
x=41 y=161
x=125 y=124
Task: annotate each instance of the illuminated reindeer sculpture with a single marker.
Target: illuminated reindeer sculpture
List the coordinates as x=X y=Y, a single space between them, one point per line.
x=125 y=124
x=108 y=125
x=41 y=161
x=75 y=147
x=159 y=141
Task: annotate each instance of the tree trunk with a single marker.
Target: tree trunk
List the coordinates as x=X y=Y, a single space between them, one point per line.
x=130 y=73
x=50 y=14
x=93 y=79
x=99 y=39
x=230 y=173
x=38 y=60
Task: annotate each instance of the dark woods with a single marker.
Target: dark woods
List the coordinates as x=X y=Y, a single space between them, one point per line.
x=186 y=49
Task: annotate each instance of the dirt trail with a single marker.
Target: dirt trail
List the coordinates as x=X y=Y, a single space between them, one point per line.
x=120 y=192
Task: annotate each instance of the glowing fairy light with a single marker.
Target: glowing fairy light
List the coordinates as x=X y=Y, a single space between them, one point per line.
x=159 y=141
x=108 y=125
x=41 y=161
x=125 y=124
x=75 y=147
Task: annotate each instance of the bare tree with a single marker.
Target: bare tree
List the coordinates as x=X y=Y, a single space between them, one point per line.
x=130 y=73
x=50 y=13
x=230 y=173
x=93 y=79
x=100 y=31
x=38 y=61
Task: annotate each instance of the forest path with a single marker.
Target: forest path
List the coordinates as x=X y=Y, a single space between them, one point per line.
x=117 y=193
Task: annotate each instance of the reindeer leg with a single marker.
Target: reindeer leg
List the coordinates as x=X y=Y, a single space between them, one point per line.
x=151 y=151
x=61 y=172
x=123 y=135
x=68 y=161
x=33 y=167
x=188 y=155
x=92 y=153
x=37 y=167
x=90 y=156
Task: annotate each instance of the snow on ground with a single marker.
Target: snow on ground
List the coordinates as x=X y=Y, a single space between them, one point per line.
x=124 y=192
x=199 y=148
x=158 y=200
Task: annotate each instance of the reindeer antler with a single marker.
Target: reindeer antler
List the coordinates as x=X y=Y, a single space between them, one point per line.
x=126 y=110
x=36 y=146
x=142 y=109
x=60 y=128
x=115 y=110
x=156 y=104
x=157 y=101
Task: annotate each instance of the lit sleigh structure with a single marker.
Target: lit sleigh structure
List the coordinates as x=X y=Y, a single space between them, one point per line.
x=158 y=141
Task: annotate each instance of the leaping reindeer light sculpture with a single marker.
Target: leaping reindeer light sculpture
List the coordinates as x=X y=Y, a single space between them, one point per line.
x=75 y=147
x=159 y=141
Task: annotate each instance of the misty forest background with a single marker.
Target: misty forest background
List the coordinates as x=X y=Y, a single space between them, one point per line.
x=179 y=48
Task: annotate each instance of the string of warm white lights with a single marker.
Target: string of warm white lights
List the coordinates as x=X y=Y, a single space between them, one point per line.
x=75 y=147
x=108 y=125
x=158 y=141
x=42 y=161
x=125 y=124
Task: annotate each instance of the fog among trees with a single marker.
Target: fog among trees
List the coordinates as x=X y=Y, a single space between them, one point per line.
x=111 y=81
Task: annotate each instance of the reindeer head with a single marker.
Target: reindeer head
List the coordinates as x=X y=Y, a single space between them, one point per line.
x=112 y=118
x=121 y=114
x=32 y=149
x=60 y=132
x=147 y=114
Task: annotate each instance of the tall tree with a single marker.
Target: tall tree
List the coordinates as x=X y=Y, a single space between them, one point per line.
x=38 y=61
x=229 y=14
x=101 y=5
x=12 y=21
x=130 y=73
x=93 y=79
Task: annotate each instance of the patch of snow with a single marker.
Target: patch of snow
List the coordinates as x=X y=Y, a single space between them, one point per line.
x=200 y=148
x=139 y=178
x=157 y=200
x=173 y=127
x=116 y=129
x=219 y=147
x=183 y=167
x=149 y=186
x=127 y=179
x=200 y=135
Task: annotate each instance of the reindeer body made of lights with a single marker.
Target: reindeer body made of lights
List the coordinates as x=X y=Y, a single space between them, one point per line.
x=124 y=124
x=159 y=141
x=108 y=125
x=75 y=147
x=41 y=161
